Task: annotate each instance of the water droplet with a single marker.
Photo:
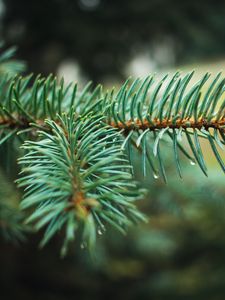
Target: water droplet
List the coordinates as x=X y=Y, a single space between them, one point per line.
x=192 y=162
x=99 y=231
x=156 y=176
x=83 y=245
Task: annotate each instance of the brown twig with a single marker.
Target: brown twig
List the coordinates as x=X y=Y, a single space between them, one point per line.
x=157 y=124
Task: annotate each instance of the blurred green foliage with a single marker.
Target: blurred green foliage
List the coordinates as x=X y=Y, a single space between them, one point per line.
x=11 y=219
x=179 y=254
x=103 y=35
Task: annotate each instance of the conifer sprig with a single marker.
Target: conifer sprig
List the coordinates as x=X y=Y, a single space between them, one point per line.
x=144 y=112
x=78 y=176
x=147 y=113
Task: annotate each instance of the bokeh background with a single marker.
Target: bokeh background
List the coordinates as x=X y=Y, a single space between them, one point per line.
x=180 y=253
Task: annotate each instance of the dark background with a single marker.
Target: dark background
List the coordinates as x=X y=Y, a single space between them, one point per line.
x=180 y=253
x=104 y=35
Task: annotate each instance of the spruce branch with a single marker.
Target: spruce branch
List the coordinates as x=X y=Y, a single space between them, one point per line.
x=144 y=112
x=147 y=113
x=75 y=171
x=78 y=176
